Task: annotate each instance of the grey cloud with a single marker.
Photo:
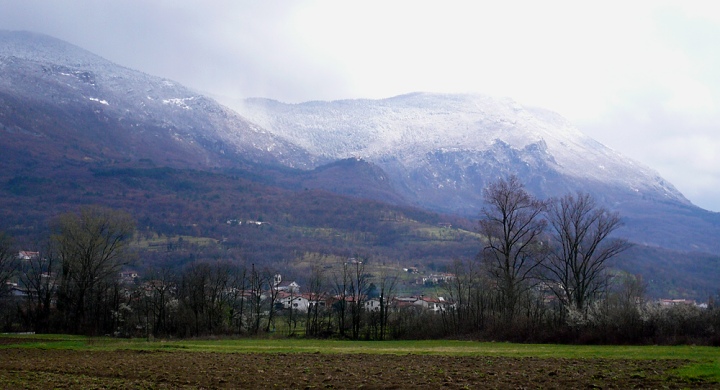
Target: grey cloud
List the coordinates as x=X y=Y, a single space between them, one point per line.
x=234 y=48
x=684 y=150
x=243 y=48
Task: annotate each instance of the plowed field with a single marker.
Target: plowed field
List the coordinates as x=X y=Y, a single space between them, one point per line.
x=45 y=369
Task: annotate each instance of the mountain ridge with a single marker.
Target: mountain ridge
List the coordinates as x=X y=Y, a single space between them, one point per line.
x=441 y=150
x=408 y=127
x=74 y=133
x=40 y=71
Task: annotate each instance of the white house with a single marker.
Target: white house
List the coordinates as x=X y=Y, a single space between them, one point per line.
x=279 y=285
x=290 y=287
x=372 y=305
x=436 y=305
x=27 y=255
x=295 y=302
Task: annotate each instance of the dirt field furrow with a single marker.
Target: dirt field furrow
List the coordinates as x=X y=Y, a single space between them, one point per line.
x=38 y=369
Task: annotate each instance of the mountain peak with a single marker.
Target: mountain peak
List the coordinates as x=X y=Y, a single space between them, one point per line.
x=43 y=48
x=141 y=116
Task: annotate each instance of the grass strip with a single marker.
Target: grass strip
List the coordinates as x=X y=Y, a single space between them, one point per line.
x=705 y=361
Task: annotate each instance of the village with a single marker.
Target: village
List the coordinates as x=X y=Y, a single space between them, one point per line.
x=288 y=295
x=348 y=301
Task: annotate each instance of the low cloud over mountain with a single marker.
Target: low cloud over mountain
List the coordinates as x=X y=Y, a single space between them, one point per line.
x=70 y=119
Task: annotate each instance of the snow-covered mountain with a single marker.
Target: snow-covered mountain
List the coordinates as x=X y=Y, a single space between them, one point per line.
x=62 y=106
x=436 y=144
x=145 y=115
x=440 y=150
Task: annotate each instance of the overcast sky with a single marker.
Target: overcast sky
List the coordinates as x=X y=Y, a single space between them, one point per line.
x=642 y=77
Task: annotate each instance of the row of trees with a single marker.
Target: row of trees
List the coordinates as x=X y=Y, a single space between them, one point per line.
x=542 y=275
x=74 y=284
x=226 y=298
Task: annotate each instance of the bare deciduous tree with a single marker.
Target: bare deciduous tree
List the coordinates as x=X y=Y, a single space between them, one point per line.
x=359 y=287
x=239 y=298
x=272 y=298
x=92 y=246
x=465 y=291
x=193 y=291
x=341 y=284
x=7 y=262
x=581 y=248
x=158 y=293
x=257 y=281
x=316 y=284
x=512 y=225
x=39 y=276
x=388 y=282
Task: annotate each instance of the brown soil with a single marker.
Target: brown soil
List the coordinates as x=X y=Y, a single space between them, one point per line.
x=44 y=369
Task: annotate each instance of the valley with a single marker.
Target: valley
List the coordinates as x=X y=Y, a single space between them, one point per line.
x=347 y=178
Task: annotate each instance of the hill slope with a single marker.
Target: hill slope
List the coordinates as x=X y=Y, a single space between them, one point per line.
x=52 y=92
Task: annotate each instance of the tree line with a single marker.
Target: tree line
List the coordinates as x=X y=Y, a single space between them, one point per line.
x=542 y=274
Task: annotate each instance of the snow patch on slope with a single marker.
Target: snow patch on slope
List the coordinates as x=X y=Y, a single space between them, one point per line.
x=179 y=102
x=64 y=73
x=104 y=102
